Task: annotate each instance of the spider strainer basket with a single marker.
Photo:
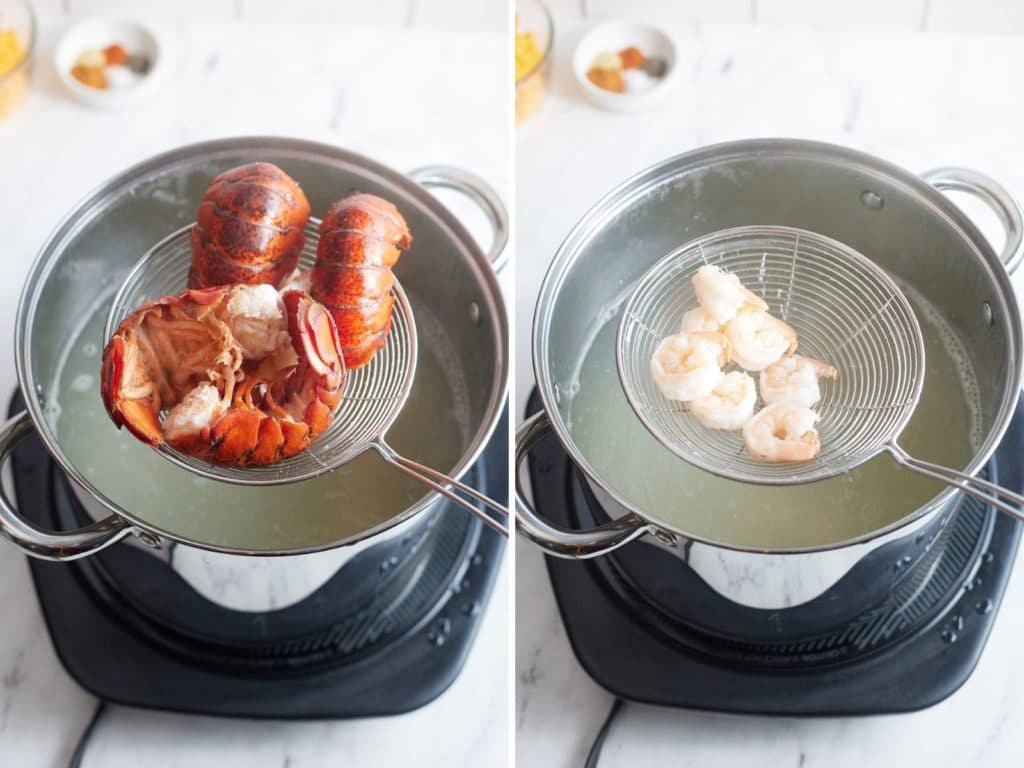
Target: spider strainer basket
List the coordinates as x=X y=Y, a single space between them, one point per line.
x=846 y=310
x=372 y=397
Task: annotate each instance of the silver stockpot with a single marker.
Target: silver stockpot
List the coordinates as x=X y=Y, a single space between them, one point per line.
x=902 y=221
x=279 y=556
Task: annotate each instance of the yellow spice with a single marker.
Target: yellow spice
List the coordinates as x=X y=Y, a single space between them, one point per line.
x=13 y=81
x=528 y=55
x=11 y=52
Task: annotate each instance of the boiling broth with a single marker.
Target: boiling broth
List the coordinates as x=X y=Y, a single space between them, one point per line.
x=433 y=428
x=943 y=429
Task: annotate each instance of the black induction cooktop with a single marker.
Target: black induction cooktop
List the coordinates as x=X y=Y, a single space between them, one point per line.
x=387 y=634
x=686 y=644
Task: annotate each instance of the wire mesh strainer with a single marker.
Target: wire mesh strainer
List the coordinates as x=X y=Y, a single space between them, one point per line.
x=846 y=310
x=373 y=396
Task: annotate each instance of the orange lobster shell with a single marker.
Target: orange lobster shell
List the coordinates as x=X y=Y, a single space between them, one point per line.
x=249 y=228
x=361 y=238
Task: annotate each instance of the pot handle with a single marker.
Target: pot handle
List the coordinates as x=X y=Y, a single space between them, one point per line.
x=996 y=197
x=481 y=193
x=553 y=539
x=38 y=542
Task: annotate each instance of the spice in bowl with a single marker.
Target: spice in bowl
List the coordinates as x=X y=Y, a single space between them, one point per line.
x=12 y=55
x=109 y=67
x=627 y=71
x=528 y=54
x=533 y=39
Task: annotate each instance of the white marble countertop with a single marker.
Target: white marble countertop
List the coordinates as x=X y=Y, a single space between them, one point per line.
x=918 y=100
x=398 y=95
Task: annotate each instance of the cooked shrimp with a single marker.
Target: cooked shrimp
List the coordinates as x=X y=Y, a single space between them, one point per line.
x=722 y=295
x=782 y=432
x=757 y=340
x=689 y=365
x=699 y=319
x=794 y=379
x=730 y=404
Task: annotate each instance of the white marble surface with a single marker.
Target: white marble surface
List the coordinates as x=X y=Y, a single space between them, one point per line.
x=406 y=97
x=918 y=100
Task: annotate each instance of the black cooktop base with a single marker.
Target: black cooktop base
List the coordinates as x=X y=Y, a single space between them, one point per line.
x=386 y=635
x=634 y=647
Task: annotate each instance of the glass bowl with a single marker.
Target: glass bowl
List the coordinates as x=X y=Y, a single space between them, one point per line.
x=533 y=17
x=16 y=15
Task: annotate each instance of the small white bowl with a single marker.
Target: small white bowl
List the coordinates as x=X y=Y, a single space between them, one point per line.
x=99 y=33
x=614 y=36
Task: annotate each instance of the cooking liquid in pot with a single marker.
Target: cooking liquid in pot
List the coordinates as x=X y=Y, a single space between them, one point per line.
x=629 y=459
x=432 y=428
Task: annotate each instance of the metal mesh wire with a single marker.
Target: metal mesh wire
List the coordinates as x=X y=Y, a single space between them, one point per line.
x=373 y=395
x=846 y=310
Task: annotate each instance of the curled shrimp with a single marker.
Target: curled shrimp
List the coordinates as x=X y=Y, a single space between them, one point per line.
x=794 y=379
x=782 y=432
x=756 y=340
x=699 y=320
x=687 y=366
x=722 y=295
x=729 y=405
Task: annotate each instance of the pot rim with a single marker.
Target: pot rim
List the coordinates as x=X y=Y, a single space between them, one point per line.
x=639 y=184
x=94 y=203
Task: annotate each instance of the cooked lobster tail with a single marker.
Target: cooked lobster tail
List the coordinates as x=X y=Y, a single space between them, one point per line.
x=249 y=228
x=361 y=238
x=247 y=377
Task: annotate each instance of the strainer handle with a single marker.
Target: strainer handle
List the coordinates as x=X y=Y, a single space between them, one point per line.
x=996 y=197
x=999 y=497
x=481 y=193
x=554 y=539
x=440 y=482
x=36 y=541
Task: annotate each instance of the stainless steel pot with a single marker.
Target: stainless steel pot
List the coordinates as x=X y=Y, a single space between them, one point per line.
x=457 y=399
x=902 y=221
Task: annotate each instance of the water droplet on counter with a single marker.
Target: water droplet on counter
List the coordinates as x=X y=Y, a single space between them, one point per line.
x=89 y=349
x=82 y=382
x=983 y=607
x=471 y=608
x=958 y=623
x=949 y=636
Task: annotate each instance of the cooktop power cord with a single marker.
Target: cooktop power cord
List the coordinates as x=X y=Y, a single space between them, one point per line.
x=595 y=750
x=83 y=740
